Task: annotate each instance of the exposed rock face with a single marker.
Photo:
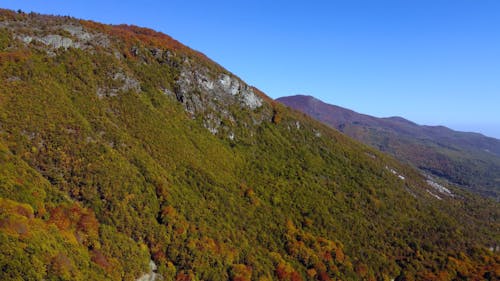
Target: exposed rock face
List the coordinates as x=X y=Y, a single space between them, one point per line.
x=57 y=41
x=439 y=188
x=208 y=94
x=124 y=83
x=60 y=36
x=128 y=83
x=233 y=86
x=213 y=95
x=151 y=275
x=250 y=99
x=196 y=86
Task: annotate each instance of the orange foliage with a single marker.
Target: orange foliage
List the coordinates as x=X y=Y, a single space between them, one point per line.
x=276 y=116
x=168 y=211
x=285 y=272
x=281 y=272
x=465 y=268
x=339 y=255
x=262 y=95
x=9 y=206
x=320 y=267
x=443 y=276
x=133 y=35
x=428 y=276
x=241 y=272
x=180 y=230
x=80 y=220
x=315 y=251
x=209 y=244
x=10 y=15
x=60 y=218
x=295 y=276
x=16 y=57
x=184 y=276
x=311 y=273
x=73 y=216
x=361 y=269
x=462 y=267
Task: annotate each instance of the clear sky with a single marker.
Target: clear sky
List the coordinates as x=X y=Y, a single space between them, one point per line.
x=430 y=61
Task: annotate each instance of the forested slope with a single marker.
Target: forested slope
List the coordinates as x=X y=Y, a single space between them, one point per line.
x=119 y=145
x=470 y=160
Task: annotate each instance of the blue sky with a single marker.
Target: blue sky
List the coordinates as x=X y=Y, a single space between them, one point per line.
x=430 y=61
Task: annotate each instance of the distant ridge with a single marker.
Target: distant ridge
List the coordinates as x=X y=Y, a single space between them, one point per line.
x=468 y=159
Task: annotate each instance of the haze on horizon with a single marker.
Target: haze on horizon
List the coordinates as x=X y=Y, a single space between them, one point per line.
x=432 y=62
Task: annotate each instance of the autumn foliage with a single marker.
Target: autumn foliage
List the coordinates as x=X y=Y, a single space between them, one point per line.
x=97 y=179
x=80 y=221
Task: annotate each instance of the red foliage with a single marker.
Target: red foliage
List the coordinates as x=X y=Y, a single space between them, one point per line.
x=74 y=216
x=361 y=269
x=61 y=265
x=295 y=276
x=180 y=230
x=17 y=56
x=133 y=35
x=281 y=272
x=160 y=256
x=323 y=276
x=183 y=276
x=88 y=223
x=100 y=259
x=77 y=219
x=320 y=267
x=327 y=256
x=10 y=15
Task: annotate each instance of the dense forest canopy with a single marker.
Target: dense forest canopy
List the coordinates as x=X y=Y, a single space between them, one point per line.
x=120 y=146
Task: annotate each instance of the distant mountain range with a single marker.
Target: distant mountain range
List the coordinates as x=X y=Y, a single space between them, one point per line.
x=471 y=160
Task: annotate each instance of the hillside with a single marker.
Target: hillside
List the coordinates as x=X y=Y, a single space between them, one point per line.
x=470 y=160
x=125 y=155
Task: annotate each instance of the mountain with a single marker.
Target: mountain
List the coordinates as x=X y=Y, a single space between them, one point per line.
x=467 y=159
x=125 y=155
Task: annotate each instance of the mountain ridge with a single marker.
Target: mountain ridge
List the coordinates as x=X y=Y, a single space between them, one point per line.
x=313 y=100
x=402 y=132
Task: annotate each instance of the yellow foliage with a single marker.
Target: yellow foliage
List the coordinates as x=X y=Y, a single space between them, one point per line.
x=12 y=207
